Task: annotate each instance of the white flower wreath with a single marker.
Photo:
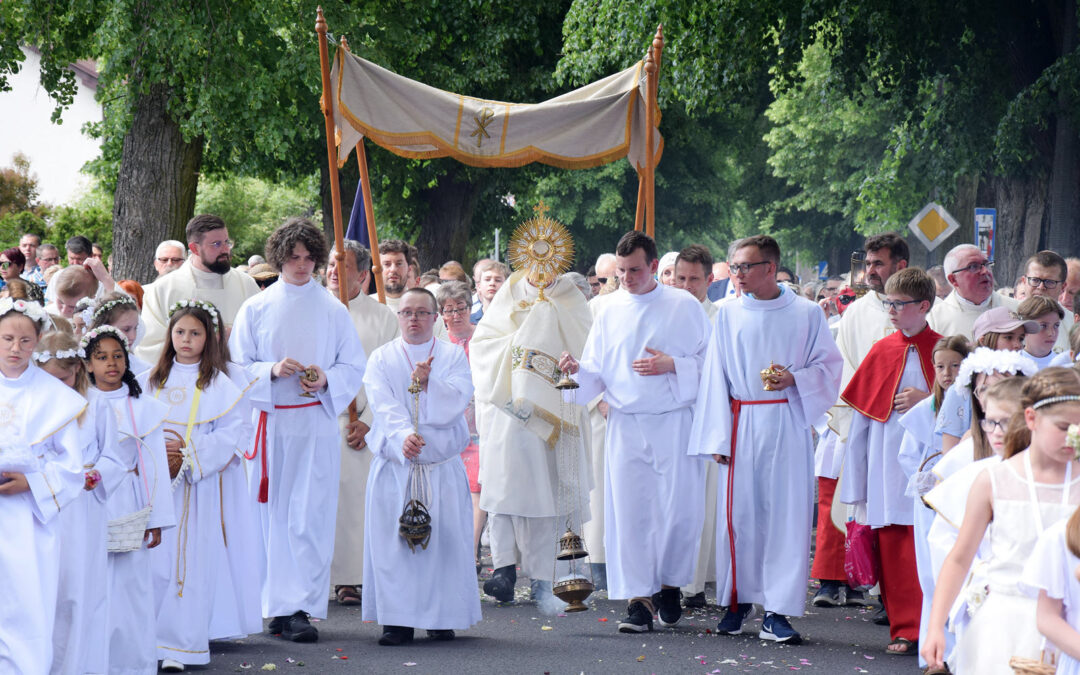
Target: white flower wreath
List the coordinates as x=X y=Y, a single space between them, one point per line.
x=106 y=306
x=986 y=360
x=111 y=331
x=32 y=310
x=209 y=307
x=46 y=356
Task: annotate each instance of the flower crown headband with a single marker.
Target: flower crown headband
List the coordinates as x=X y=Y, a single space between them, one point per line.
x=46 y=356
x=208 y=307
x=986 y=360
x=106 y=306
x=101 y=331
x=28 y=308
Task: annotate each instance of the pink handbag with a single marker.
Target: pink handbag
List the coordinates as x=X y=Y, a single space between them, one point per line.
x=861 y=557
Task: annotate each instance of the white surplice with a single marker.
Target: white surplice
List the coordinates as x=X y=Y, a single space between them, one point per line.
x=132 y=608
x=956 y=316
x=872 y=474
x=184 y=581
x=36 y=411
x=82 y=608
x=226 y=291
x=513 y=352
x=432 y=588
x=303 y=445
x=705 y=571
x=654 y=497
x=772 y=487
x=376 y=324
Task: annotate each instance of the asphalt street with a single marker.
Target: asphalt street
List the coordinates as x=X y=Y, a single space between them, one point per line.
x=518 y=638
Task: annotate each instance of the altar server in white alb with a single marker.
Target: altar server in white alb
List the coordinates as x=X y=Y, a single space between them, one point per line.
x=205 y=426
x=82 y=605
x=644 y=353
x=138 y=509
x=432 y=588
x=302 y=346
x=40 y=473
x=764 y=446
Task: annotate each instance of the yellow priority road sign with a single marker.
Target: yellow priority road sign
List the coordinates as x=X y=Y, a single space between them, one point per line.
x=933 y=225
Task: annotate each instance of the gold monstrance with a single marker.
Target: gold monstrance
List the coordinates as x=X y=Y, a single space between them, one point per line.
x=542 y=246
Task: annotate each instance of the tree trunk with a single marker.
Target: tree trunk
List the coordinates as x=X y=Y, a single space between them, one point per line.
x=1063 y=226
x=155 y=187
x=444 y=229
x=1021 y=205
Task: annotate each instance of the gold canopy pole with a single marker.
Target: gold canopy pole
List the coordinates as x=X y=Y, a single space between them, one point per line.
x=327 y=104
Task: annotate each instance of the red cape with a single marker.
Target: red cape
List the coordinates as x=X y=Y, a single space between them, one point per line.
x=873 y=386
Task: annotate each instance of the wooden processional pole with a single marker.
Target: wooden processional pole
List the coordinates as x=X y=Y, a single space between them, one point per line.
x=327 y=104
x=652 y=73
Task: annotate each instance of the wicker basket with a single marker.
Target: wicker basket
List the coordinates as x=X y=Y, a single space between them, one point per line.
x=126 y=533
x=1040 y=666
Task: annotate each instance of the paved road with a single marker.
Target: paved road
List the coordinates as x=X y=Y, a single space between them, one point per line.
x=517 y=638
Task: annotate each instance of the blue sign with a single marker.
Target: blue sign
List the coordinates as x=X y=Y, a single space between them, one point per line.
x=986 y=231
x=823 y=270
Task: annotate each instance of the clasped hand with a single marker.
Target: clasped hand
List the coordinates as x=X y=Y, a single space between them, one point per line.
x=411 y=448
x=289 y=367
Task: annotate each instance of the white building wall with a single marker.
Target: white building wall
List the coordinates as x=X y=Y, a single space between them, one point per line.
x=57 y=152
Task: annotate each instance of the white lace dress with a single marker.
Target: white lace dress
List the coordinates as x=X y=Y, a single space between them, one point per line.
x=1002 y=624
x=1053 y=568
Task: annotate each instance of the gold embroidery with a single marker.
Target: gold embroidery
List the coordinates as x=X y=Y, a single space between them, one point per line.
x=482 y=120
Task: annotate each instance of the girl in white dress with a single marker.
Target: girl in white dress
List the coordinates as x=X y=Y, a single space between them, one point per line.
x=1052 y=573
x=190 y=378
x=40 y=473
x=119 y=310
x=82 y=607
x=141 y=501
x=1037 y=485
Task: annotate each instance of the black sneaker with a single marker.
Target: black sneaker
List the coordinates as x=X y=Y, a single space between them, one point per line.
x=734 y=618
x=297 y=628
x=441 y=634
x=831 y=594
x=668 y=606
x=695 y=601
x=855 y=597
x=276 y=625
x=501 y=584
x=638 y=619
x=394 y=636
x=881 y=617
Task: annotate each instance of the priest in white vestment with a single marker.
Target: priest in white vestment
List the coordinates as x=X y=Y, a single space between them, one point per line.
x=293 y=330
x=971 y=275
x=764 y=445
x=376 y=324
x=644 y=353
x=513 y=354
x=693 y=273
x=206 y=275
x=430 y=587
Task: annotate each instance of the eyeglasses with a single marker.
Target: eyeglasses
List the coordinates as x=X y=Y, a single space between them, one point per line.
x=218 y=245
x=164 y=261
x=975 y=268
x=455 y=312
x=419 y=314
x=1048 y=284
x=5 y=264
x=845 y=300
x=898 y=305
x=602 y=280
x=743 y=268
x=990 y=426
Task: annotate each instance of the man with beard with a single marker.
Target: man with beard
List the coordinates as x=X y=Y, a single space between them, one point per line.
x=206 y=275
x=971 y=275
x=395 y=260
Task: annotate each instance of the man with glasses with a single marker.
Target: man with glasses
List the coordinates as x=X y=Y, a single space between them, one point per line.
x=168 y=256
x=1046 y=274
x=376 y=325
x=206 y=275
x=47 y=256
x=971 y=275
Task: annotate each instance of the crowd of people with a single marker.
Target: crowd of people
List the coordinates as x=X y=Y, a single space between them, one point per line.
x=182 y=460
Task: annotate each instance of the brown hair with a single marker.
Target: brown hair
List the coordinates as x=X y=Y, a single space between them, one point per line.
x=295 y=231
x=1038 y=305
x=121 y=303
x=211 y=362
x=488 y=265
x=955 y=343
x=632 y=241
x=914 y=283
x=76 y=282
x=454 y=269
x=765 y=244
x=198 y=226
x=1003 y=391
x=57 y=341
x=1048 y=259
x=898 y=248
x=696 y=253
x=1046 y=383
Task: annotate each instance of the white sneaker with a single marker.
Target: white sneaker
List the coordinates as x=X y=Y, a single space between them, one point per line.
x=171 y=666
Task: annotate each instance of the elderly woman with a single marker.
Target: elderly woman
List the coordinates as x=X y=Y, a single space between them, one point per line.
x=455 y=302
x=12 y=263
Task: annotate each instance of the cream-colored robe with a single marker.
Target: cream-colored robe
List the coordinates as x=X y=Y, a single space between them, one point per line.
x=186 y=283
x=514 y=355
x=954 y=316
x=706 y=562
x=376 y=324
